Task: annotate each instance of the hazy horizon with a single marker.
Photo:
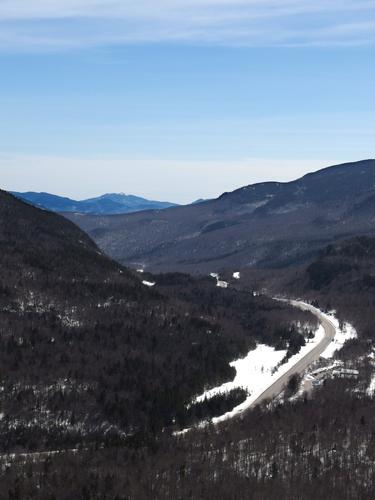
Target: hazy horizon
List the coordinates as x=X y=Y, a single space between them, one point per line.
x=111 y=178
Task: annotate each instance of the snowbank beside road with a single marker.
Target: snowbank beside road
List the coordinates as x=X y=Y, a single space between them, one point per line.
x=343 y=332
x=261 y=368
x=347 y=332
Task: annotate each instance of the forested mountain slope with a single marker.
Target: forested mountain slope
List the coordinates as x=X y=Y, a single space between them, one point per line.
x=343 y=277
x=93 y=360
x=262 y=225
x=89 y=354
x=318 y=445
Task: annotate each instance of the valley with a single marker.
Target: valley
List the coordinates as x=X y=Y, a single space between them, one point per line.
x=267 y=225
x=103 y=373
x=84 y=337
x=187 y=250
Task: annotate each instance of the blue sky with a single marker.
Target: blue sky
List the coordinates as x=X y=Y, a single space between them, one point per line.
x=181 y=99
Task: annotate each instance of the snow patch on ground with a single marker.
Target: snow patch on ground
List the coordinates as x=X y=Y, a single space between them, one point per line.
x=256 y=372
x=252 y=372
x=69 y=322
x=237 y=275
x=222 y=284
x=342 y=335
x=260 y=368
x=347 y=332
x=321 y=371
x=148 y=283
x=343 y=332
x=371 y=388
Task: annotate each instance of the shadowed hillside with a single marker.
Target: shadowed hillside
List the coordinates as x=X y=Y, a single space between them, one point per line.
x=90 y=354
x=263 y=225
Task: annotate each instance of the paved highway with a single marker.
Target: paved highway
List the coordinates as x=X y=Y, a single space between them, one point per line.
x=330 y=331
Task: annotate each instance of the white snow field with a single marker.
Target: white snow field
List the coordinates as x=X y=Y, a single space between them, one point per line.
x=256 y=372
x=222 y=284
x=148 y=283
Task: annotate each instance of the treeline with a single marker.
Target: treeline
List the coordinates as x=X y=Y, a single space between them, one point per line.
x=214 y=407
x=252 y=313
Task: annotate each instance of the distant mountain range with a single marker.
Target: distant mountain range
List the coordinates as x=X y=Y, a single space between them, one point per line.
x=108 y=204
x=270 y=224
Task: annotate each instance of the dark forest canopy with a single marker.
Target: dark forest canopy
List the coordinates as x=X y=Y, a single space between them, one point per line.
x=97 y=365
x=90 y=354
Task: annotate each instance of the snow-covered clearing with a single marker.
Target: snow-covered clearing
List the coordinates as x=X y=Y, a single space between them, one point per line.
x=256 y=372
x=371 y=388
x=148 y=283
x=252 y=372
x=343 y=334
x=260 y=368
x=222 y=284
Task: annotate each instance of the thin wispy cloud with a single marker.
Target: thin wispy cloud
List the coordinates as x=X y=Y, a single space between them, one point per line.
x=60 y=24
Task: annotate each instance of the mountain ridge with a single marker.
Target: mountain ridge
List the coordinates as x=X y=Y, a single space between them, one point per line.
x=268 y=224
x=108 y=203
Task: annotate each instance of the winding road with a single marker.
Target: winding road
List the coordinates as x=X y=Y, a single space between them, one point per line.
x=330 y=331
x=278 y=384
